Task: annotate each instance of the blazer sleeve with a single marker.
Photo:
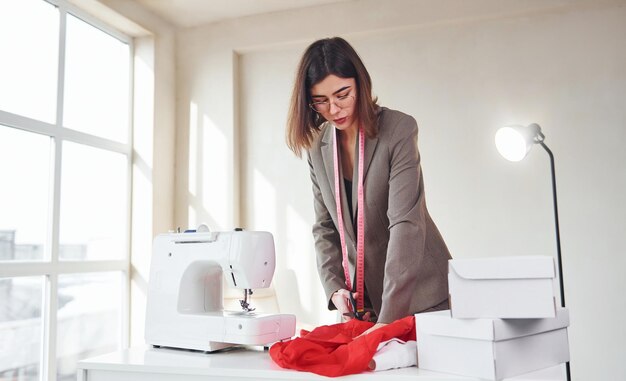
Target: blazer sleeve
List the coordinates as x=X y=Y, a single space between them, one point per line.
x=404 y=270
x=327 y=243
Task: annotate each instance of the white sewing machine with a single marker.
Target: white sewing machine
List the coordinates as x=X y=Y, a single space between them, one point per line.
x=185 y=303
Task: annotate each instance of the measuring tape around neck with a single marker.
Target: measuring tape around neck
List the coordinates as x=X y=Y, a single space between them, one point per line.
x=360 y=248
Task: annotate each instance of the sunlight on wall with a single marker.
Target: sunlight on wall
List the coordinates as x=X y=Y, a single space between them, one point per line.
x=215 y=174
x=193 y=151
x=298 y=252
x=192 y=217
x=264 y=202
x=209 y=173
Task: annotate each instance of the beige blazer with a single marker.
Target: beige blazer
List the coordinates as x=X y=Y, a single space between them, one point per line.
x=405 y=255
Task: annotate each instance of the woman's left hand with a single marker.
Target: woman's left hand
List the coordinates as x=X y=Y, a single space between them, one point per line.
x=373 y=328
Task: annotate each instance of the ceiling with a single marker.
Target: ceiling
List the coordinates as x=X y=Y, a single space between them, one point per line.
x=190 y=13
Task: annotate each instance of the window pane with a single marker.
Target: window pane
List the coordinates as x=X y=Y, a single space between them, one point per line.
x=88 y=319
x=96 y=82
x=94 y=203
x=24 y=175
x=29 y=42
x=20 y=328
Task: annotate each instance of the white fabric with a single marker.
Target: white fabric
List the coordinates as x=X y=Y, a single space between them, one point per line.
x=394 y=353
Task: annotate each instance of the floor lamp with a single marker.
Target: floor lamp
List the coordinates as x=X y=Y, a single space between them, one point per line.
x=514 y=143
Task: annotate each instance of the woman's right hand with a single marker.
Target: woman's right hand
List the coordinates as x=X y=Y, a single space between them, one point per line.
x=341 y=300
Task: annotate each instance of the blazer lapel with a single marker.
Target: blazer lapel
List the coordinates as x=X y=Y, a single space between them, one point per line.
x=370 y=147
x=327 y=156
x=370 y=144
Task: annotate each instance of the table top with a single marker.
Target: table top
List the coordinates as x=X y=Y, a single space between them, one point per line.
x=254 y=363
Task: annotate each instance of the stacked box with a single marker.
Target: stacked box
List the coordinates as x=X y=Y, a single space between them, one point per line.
x=503 y=320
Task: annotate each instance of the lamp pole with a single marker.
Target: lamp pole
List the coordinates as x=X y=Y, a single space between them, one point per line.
x=558 y=236
x=556 y=222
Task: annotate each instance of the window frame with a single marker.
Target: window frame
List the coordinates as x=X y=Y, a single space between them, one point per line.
x=50 y=267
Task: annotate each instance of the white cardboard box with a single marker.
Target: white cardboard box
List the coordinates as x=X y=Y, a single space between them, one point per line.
x=491 y=349
x=503 y=287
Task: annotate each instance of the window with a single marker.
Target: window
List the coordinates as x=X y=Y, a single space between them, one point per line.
x=65 y=161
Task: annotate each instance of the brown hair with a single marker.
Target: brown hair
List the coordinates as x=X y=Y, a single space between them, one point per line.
x=322 y=58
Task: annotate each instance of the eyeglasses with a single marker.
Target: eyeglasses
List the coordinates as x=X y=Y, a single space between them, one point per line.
x=342 y=101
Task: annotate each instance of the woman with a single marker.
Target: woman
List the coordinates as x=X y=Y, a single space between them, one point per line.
x=380 y=256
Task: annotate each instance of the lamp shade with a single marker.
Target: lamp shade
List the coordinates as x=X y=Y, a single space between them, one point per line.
x=514 y=142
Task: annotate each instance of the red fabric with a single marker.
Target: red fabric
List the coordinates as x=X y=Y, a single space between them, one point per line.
x=333 y=351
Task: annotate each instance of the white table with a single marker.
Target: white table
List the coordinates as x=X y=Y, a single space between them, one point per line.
x=163 y=364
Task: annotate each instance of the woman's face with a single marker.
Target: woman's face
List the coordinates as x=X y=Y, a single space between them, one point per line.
x=335 y=100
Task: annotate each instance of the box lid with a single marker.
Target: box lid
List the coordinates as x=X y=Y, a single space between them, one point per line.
x=519 y=267
x=440 y=323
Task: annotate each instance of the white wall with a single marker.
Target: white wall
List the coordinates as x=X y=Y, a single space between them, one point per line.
x=463 y=69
